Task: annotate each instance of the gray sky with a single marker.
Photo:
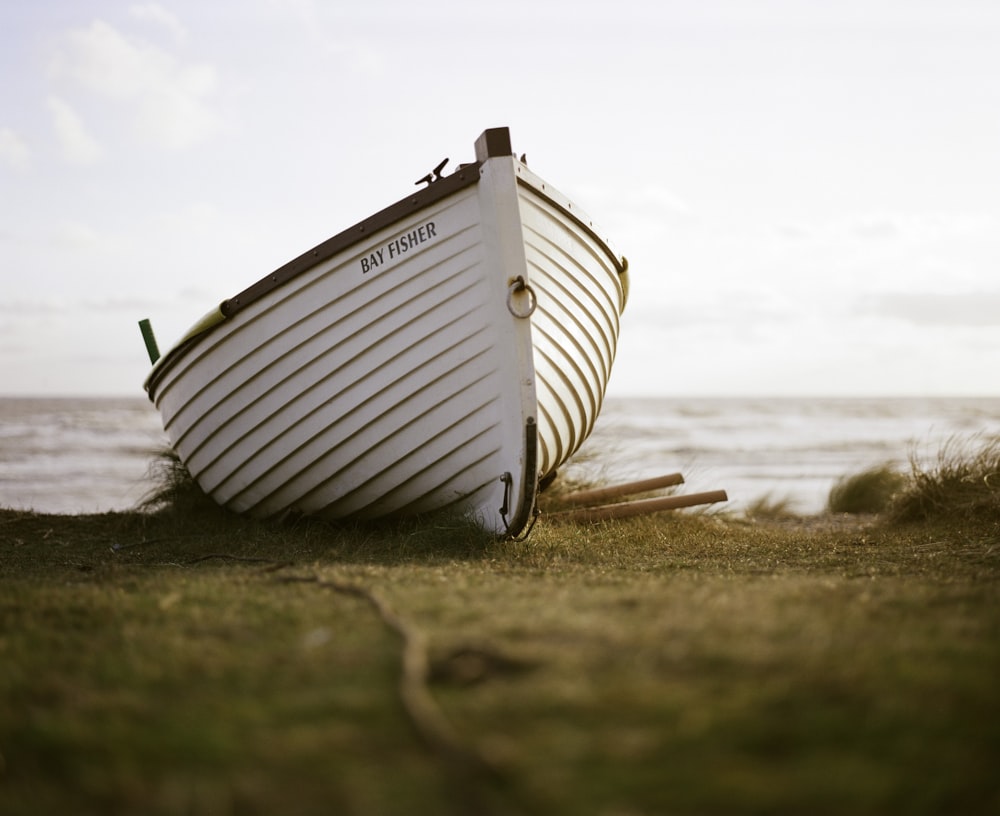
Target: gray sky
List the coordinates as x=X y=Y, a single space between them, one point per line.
x=808 y=193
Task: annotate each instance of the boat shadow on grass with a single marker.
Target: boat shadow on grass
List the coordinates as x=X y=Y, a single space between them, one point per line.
x=185 y=535
x=176 y=523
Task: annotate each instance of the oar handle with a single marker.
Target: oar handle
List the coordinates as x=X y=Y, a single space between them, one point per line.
x=640 y=507
x=600 y=494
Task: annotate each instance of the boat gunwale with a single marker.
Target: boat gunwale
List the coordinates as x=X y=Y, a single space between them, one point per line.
x=564 y=205
x=467 y=175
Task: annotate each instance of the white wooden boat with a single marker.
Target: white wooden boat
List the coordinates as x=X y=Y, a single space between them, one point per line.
x=448 y=353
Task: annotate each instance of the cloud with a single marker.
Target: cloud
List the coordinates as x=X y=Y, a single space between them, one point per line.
x=78 y=237
x=793 y=232
x=169 y=101
x=876 y=228
x=884 y=228
x=156 y=14
x=116 y=305
x=970 y=309
x=78 y=146
x=30 y=309
x=13 y=151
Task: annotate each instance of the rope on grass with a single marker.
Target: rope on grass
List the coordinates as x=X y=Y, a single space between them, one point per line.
x=426 y=717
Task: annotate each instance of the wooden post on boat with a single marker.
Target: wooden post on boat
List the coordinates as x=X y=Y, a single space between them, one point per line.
x=640 y=507
x=601 y=494
x=150 y=339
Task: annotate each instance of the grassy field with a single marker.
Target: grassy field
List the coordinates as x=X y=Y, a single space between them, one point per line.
x=186 y=661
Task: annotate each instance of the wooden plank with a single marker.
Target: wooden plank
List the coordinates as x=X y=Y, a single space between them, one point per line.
x=602 y=494
x=640 y=507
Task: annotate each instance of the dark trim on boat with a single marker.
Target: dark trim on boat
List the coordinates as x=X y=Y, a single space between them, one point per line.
x=530 y=487
x=492 y=143
x=166 y=362
x=465 y=177
x=585 y=225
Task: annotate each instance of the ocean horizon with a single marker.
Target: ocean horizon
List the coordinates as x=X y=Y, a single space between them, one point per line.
x=94 y=454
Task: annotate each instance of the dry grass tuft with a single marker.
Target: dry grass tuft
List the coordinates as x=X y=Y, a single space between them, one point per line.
x=963 y=484
x=172 y=486
x=870 y=491
x=771 y=508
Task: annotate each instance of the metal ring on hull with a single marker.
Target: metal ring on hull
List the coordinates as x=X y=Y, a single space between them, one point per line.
x=519 y=285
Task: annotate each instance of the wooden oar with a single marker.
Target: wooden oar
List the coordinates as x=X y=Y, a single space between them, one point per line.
x=640 y=507
x=601 y=494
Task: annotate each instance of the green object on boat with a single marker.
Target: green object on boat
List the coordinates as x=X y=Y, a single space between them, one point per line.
x=147 y=335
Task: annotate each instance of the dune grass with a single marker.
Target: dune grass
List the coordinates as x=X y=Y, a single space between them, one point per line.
x=771 y=508
x=963 y=483
x=870 y=491
x=182 y=660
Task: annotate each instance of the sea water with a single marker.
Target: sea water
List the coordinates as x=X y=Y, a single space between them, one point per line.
x=77 y=455
x=790 y=450
x=95 y=455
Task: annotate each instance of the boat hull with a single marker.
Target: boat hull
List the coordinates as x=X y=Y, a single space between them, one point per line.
x=438 y=357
